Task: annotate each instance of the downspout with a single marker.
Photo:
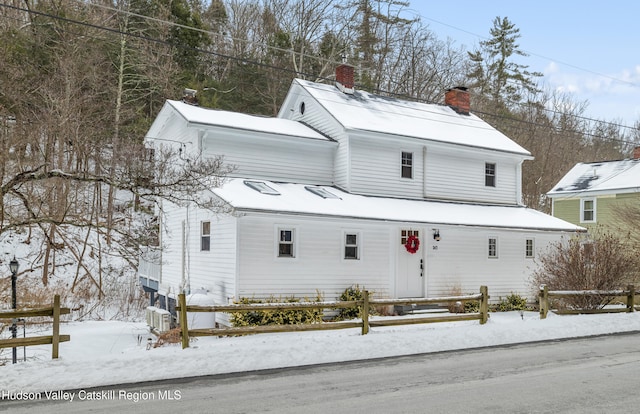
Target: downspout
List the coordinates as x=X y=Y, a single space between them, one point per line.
x=519 y=199
x=183 y=247
x=187 y=285
x=424 y=172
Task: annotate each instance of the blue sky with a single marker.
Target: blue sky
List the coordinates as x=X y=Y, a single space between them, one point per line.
x=588 y=48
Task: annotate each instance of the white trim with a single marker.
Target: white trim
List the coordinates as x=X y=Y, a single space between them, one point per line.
x=202 y=235
x=295 y=242
x=296 y=201
x=424 y=172
x=582 y=210
x=495 y=174
x=358 y=245
x=402 y=164
x=497 y=247
x=533 y=247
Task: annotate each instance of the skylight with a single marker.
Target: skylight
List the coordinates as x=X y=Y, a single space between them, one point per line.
x=321 y=192
x=261 y=187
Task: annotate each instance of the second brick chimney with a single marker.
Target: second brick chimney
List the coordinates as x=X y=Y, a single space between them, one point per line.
x=345 y=78
x=458 y=99
x=636 y=153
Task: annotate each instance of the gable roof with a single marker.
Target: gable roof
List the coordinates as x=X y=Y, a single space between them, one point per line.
x=367 y=112
x=214 y=117
x=600 y=178
x=300 y=199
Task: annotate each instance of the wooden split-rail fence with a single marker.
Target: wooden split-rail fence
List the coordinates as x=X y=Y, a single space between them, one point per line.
x=54 y=340
x=546 y=295
x=364 y=323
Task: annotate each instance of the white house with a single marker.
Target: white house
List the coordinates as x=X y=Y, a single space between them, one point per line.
x=344 y=187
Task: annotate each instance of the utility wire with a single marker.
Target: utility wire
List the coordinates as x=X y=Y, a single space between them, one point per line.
x=291 y=71
x=618 y=80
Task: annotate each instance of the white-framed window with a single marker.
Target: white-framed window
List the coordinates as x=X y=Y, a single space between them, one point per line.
x=286 y=242
x=352 y=242
x=490 y=174
x=492 y=247
x=205 y=236
x=588 y=210
x=529 y=248
x=407 y=165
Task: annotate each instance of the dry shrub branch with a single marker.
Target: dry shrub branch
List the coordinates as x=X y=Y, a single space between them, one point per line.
x=602 y=262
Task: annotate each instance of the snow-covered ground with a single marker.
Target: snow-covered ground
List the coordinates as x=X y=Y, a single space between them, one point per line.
x=112 y=352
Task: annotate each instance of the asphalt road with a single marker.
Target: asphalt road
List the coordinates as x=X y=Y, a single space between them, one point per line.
x=590 y=375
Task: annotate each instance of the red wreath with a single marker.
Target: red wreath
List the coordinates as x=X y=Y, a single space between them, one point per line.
x=412 y=245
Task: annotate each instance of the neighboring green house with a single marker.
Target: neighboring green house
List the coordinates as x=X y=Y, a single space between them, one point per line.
x=591 y=193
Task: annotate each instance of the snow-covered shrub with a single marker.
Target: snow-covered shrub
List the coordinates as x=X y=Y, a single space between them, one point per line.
x=512 y=302
x=352 y=293
x=277 y=316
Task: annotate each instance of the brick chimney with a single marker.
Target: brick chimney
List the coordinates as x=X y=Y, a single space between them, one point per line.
x=345 y=78
x=636 y=153
x=458 y=99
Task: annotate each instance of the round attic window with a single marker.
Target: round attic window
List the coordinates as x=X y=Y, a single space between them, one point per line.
x=302 y=108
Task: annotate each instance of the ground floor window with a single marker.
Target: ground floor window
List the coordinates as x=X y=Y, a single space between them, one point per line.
x=528 y=248
x=205 y=236
x=351 y=246
x=286 y=246
x=493 y=247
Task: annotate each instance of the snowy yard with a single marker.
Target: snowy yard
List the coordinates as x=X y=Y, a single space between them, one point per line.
x=111 y=352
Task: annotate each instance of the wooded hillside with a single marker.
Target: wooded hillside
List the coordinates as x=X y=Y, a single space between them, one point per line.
x=81 y=82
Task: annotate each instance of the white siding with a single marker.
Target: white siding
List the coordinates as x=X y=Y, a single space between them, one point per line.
x=461 y=260
x=262 y=157
x=460 y=175
x=213 y=270
x=171 y=130
x=319 y=119
x=319 y=265
x=447 y=173
x=171 y=244
x=376 y=168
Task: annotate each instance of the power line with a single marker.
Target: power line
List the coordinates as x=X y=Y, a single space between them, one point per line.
x=530 y=53
x=291 y=71
x=381 y=91
x=208 y=32
x=335 y=63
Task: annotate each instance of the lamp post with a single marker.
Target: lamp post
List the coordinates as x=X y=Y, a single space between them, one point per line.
x=13 y=266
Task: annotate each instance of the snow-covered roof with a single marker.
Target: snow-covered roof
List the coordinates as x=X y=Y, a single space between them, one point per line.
x=368 y=112
x=215 y=117
x=301 y=199
x=600 y=177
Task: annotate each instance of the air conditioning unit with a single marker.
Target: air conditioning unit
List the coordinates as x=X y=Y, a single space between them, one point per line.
x=148 y=314
x=156 y=320
x=163 y=320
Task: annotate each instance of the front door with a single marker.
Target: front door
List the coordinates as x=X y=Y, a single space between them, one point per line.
x=410 y=277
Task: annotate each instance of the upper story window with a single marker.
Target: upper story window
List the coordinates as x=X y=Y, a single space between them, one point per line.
x=588 y=210
x=351 y=246
x=407 y=164
x=493 y=248
x=286 y=243
x=490 y=174
x=205 y=236
x=528 y=248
